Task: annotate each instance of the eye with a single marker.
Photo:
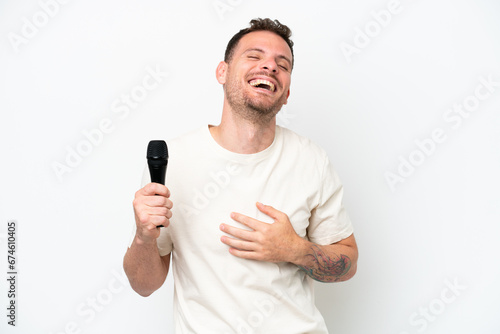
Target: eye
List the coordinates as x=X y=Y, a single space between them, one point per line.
x=283 y=67
x=253 y=57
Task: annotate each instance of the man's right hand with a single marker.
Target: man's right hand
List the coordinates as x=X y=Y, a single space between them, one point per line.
x=152 y=208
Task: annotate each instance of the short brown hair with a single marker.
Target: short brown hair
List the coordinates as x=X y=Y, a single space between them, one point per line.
x=258 y=25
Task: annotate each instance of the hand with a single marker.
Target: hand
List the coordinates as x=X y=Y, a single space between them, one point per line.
x=152 y=208
x=275 y=242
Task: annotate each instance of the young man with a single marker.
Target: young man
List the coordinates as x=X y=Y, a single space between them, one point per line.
x=241 y=266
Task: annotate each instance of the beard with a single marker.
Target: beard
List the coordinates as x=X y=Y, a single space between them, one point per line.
x=254 y=109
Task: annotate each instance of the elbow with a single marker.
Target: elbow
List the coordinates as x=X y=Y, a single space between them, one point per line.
x=350 y=274
x=352 y=270
x=345 y=277
x=143 y=293
x=135 y=283
x=142 y=289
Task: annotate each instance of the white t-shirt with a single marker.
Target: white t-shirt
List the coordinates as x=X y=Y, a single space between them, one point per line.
x=216 y=292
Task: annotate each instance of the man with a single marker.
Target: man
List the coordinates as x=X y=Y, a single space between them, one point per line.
x=241 y=266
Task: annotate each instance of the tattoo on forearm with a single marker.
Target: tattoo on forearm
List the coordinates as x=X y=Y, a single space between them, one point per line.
x=323 y=268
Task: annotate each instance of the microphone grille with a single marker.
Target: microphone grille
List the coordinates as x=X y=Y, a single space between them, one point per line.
x=157 y=149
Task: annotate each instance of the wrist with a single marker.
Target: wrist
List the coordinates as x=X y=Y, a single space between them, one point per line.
x=144 y=241
x=300 y=251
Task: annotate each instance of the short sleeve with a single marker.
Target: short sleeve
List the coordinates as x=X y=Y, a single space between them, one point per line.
x=329 y=221
x=164 y=241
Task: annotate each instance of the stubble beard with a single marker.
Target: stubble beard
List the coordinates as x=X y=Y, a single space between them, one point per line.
x=250 y=109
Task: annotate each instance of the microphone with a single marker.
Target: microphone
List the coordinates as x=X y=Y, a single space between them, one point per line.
x=157 y=156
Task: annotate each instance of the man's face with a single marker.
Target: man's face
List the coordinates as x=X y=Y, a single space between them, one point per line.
x=257 y=79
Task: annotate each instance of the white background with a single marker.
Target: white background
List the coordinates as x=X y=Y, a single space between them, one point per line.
x=438 y=228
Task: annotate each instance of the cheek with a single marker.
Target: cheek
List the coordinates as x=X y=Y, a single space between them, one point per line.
x=286 y=80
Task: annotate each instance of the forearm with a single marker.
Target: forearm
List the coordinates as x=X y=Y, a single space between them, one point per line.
x=144 y=267
x=328 y=263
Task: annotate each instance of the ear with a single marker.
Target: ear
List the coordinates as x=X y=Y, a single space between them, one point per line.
x=220 y=72
x=287 y=95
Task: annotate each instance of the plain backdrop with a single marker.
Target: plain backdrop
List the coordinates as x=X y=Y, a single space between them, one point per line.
x=403 y=95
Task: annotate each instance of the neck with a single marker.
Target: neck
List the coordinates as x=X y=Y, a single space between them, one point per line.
x=240 y=135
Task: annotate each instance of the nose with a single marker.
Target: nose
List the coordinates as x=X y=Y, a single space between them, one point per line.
x=270 y=65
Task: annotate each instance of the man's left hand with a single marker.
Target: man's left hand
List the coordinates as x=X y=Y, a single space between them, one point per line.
x=274 y=242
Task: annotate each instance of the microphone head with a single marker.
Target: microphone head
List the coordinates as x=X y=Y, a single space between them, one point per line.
x=157 y=150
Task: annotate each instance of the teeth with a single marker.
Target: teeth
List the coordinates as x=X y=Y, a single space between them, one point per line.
x=262 y=82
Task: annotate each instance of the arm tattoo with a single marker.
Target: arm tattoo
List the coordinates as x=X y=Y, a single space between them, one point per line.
x=323 y=268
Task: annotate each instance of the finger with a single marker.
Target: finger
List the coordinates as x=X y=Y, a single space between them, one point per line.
x=249 y=255
x=270 y=211
x=237 y=232
x=169 y=204
x=247 y=221
x=238 y=244
x=157 y=201
x=155 y=189
x=152 y=216
x=156 y=221
x=160 y=211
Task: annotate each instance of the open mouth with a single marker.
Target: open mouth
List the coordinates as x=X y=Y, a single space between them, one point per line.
x=264 y=84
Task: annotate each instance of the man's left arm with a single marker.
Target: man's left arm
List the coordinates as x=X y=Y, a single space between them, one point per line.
x=278 y=242
x=329 y=263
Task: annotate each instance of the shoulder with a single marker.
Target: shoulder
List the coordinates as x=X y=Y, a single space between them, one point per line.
x=305 y=146
x=189 y=143
x=188 y=137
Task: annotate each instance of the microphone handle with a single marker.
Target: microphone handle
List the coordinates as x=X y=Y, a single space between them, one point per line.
x=157 y=171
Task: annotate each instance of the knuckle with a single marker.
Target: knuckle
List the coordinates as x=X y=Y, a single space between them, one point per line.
x=168 y=203
x=283 y=215
x=143 y=218
x=145 y=189
x=139 y=192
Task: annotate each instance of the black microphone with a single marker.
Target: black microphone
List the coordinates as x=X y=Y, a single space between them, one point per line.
x=157 y=156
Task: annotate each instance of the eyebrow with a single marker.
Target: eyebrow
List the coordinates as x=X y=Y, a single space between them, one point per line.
x=262 y=51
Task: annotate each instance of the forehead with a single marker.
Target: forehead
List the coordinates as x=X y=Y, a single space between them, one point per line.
x=265 y=40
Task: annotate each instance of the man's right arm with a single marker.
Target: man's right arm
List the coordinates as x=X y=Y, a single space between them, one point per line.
x=145 y=268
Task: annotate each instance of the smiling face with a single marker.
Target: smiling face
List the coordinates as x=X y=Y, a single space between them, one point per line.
x=257 y=79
